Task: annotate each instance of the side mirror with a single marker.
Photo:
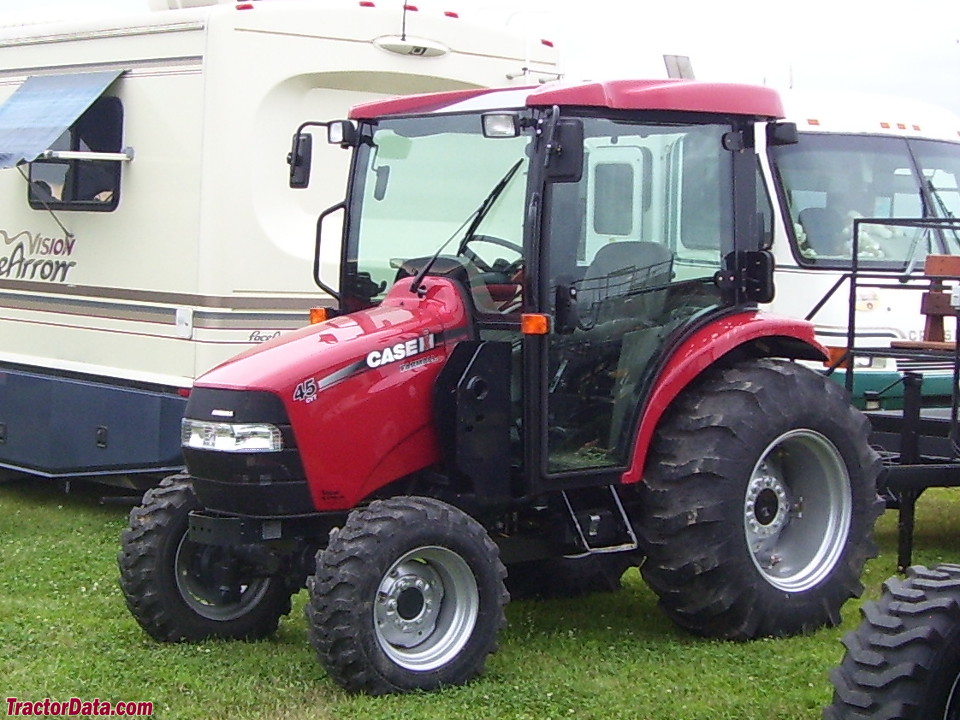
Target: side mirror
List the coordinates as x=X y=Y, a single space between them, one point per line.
x=299 y=159
x=782 y=133
x=339 y=132
x=565 y=308
x=566 y=160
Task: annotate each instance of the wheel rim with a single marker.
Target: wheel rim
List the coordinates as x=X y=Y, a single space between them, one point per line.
x=797 y=510
x=195 y=572
x=951 y=710
x=426 y=608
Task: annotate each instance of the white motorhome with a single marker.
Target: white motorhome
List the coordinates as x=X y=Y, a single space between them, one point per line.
x=863 y=156
x=147 y=229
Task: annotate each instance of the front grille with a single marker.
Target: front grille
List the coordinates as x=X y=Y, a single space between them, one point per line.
x=925 y=365
x=244 y=468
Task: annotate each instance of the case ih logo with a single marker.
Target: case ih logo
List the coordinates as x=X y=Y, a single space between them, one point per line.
x=401 y=351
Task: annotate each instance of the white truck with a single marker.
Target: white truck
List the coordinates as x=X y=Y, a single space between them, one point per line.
x=852 y=155
x=863 y=156
x=147 y=229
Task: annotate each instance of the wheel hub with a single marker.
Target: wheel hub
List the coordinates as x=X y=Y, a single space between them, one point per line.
x=408 y=603
x=425 y=608
x=797 y=510
x=767 y=505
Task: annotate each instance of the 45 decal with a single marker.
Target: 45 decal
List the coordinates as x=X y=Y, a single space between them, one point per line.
x=306 y=391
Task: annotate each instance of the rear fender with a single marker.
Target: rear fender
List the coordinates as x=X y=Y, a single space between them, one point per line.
x=760 y=334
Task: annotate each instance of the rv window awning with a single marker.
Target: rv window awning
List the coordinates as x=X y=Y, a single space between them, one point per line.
x=42 y=108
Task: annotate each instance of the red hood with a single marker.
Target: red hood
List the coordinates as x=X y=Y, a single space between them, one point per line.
x=358 y=389
x=323 y=349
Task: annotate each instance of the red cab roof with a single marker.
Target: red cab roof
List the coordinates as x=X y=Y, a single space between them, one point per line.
x=675 y=95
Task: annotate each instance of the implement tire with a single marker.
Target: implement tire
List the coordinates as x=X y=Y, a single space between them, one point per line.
x=903 y=661
x=168 y=581
x=759 y=501
x=408 y=595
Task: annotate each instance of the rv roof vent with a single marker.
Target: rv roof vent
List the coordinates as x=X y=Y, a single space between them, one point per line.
x=179 y=4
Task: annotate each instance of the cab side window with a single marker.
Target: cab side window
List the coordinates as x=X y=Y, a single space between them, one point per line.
x=81 y=184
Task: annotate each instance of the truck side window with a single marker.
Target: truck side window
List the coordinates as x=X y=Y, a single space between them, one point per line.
x=82 y=184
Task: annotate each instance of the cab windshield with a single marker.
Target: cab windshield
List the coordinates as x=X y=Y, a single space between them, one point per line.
x=826 y=181
x=434 y=185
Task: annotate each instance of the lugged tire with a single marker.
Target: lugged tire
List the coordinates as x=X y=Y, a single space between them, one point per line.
x=167 y=581
x=408 y=595
x=569 y=577
x=759 y=501
x=903 y=661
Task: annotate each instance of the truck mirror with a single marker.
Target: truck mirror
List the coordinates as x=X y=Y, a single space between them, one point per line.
x=566 y=160
x=342 y=133
x=383 y=177
x=782 y=133
x=299 y=159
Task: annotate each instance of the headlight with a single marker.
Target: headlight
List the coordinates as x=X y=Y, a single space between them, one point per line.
x=875 y=363
x=230 y=437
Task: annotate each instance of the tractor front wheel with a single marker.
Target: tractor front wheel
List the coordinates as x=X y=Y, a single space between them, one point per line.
x=759 y=501
x=180 y=590
x=408 y=595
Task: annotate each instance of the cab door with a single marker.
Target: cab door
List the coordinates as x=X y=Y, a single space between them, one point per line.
x=633 y=248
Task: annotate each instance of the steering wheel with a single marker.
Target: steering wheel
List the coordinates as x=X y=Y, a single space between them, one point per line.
x=484 y=266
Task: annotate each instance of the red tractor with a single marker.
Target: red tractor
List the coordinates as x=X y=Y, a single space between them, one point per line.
x=546 y=365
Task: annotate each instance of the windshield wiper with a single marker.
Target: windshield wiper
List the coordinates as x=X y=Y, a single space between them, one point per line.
x=912 y=257
x=944 y=213
x=474 y=219
x=941 y=205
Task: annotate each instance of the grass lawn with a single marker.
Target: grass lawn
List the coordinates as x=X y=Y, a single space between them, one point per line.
x=65 y=632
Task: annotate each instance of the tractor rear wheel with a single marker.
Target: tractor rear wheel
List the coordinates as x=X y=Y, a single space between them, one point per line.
x=903 y=660
x=408 y=595
x=180 y=590
x=759 y=502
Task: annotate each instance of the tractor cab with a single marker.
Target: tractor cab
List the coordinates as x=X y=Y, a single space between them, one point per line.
x=586 y=238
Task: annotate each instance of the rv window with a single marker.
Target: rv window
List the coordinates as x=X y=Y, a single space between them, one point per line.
x=82 y=184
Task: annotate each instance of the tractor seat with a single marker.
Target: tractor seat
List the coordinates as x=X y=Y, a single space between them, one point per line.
x=621 y=268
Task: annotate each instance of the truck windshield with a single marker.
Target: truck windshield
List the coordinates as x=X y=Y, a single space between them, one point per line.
x=423 y=180
x=826 y=181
